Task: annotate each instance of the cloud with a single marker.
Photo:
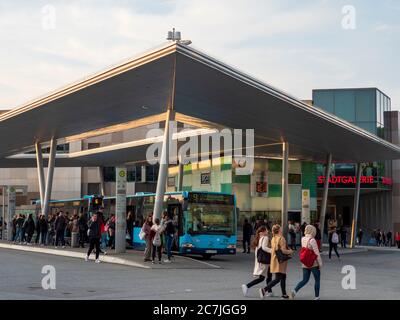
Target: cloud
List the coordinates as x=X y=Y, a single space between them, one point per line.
x=294 y=46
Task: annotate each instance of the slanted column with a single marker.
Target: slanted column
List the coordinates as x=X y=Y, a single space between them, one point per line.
x=355 y=207
x=49 y=181
x=285 y=186
x=40 y=171
x=180 y=174
x=102 y=186
x=325 y=195
x=163 y=171
x=120 y=209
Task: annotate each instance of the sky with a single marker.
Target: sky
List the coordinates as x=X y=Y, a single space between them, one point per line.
x=293 y=45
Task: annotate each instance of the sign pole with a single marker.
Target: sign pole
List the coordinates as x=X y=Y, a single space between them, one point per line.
x=120 y=210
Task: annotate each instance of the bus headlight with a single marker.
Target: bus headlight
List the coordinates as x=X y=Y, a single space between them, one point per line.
x=231 y=246
x=187 y=245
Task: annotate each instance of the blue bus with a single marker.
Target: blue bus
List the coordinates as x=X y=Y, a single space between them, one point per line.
x=206 y=222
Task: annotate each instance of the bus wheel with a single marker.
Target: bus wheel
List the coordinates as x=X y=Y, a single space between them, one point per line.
x=207 y=256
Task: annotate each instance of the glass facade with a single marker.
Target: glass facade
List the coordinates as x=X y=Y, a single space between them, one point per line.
x=362 y=107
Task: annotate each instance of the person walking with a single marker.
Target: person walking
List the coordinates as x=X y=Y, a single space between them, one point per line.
x=83 y=227
x=157 y=228
x=303 y=228
x=130 y=221
x=37 y=229
x=43 y=227
x=333 y=240
x=94 y=237
x=310 y=247
x=18 y=227
x=23 y=229
x=60 y=224
x=360 y=236
x=247 y=233
x=378 y=237
x=383 y=235
x=103 y=231
x=318 y=236
x=261 y=241
x=278 y=266
x=389 y=238
x=75 y=230
x=169 y=235
x=146 y=229
x=343 y=236
x=51 y=232
x=397 y=238
x=29 y=228
x=111 y=231
x=292 y=235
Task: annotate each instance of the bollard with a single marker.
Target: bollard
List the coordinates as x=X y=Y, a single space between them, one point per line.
x=74 y=239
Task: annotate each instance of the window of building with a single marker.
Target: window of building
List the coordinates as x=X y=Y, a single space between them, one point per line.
x=345 y=105
x=93 y=145
x=93 y=188
x=152 y=173
x=109 y=174
x=294 y=178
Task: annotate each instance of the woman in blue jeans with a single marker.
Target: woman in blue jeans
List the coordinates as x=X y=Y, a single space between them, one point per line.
x=169 y=236
x=308 y=241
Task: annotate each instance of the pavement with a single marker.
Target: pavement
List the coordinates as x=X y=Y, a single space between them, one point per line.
x=131 y=258
x=377 y=272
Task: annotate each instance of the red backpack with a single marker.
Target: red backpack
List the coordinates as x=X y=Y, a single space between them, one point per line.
x=307 y=256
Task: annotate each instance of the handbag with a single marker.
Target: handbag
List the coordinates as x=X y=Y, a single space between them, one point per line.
x=307 y=256
x=282 y=257
x=263 y=257
x=142 y=234
x=157 y=240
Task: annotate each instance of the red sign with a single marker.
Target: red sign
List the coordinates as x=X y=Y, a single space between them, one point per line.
x=346 y=179
x=353 y=180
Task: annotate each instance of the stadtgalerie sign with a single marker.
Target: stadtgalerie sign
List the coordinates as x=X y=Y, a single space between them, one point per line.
x=353 y=180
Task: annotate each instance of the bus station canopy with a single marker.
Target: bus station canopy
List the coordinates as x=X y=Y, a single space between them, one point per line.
x=203 y=92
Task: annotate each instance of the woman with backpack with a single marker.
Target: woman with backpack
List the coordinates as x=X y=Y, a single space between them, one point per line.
x=311 y=261
x=147 y=233
x=157 y=228
x=333 y=240
x=280 y=253
x=262 y=241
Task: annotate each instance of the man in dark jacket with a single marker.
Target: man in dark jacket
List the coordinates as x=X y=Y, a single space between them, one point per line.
x=60 y=225
x=43 y=228
x=29 y=227
x=247 y=233
x=94 y=237
x=83 y=227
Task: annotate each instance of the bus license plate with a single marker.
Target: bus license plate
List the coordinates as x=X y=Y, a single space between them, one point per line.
x=211 y=251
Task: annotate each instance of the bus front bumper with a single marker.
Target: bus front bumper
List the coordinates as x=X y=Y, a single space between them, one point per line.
x=212 y=251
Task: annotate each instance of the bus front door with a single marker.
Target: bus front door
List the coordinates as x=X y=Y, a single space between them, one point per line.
x=175 y=212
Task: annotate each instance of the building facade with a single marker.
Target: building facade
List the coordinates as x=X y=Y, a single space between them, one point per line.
x=370 y=109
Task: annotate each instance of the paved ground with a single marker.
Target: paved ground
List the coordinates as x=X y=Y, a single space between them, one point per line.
x=377 y=278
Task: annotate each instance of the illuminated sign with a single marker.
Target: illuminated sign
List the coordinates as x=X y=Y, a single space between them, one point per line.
x=353 y=180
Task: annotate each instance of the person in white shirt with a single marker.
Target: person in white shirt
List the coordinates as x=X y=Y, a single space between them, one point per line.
x=308 y=241
x=262 y=240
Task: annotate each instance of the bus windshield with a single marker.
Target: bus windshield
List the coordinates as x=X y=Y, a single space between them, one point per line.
x=210 y=218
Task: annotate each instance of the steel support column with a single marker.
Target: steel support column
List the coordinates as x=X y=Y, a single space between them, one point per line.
x=355 y=207
x=49 y=180
x=4 y=214
x=40 y=171
x=163 y=171
x=285 y=186
x=325 y=195
x=102 y=186
x=180 y=174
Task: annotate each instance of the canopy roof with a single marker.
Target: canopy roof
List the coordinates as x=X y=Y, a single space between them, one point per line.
x=202 y=91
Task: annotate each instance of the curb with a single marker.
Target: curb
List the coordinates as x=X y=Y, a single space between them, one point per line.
x=72 y=254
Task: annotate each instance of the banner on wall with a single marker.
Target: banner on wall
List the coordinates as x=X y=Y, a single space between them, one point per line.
x=259 y=184
x=305 y=206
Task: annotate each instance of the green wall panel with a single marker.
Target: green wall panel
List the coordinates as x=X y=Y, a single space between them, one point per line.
x=275 y=165
x=274 y=190
x=226 y=187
